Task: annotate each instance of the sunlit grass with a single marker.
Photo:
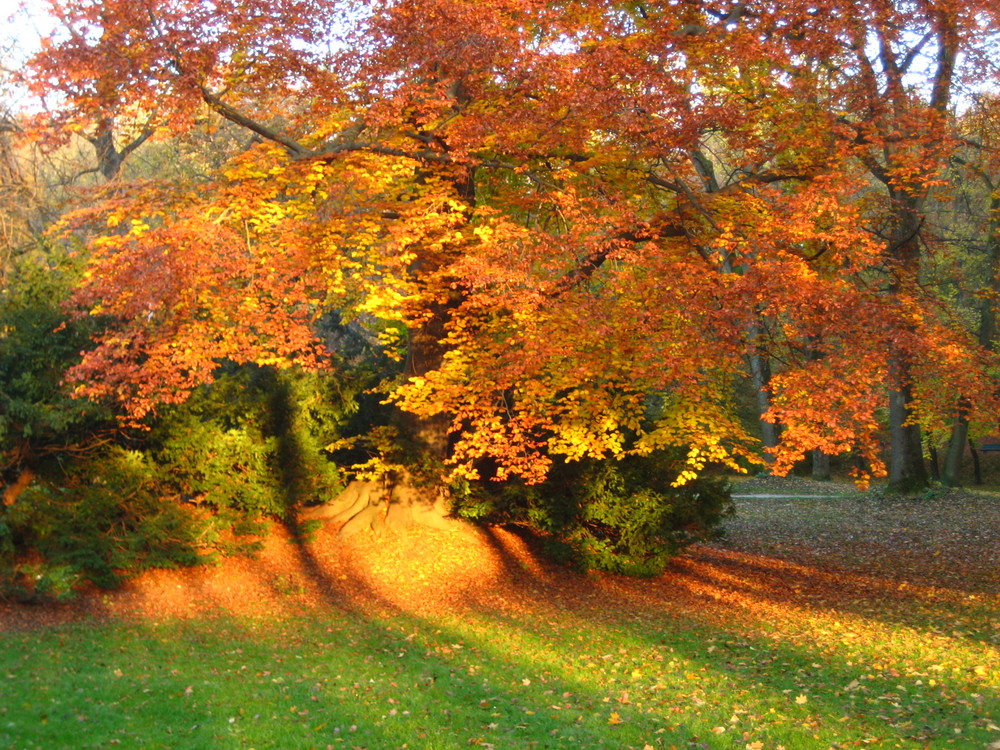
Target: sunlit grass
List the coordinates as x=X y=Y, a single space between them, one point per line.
x=614 y=680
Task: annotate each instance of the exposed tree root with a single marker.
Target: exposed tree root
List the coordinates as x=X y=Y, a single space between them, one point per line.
x=366 y=506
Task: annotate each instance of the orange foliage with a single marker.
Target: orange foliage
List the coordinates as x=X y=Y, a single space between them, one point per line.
x=602 y=207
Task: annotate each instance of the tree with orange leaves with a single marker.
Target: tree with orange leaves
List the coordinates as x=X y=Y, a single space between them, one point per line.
x=587 y=219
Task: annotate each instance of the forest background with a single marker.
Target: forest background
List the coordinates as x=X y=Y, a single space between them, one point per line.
x=559 y=264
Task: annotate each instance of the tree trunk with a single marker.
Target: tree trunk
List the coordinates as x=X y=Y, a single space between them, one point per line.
x=820 y=466
x=820 y=459
x=402 y=499
x=907 y=472
x=932 y=460
x=951 y=476
x=396 y=503
x=760 y=368
x=987 y=338
x=408 y=498
x=760 y=371
x=428 y=435
x=977 y=471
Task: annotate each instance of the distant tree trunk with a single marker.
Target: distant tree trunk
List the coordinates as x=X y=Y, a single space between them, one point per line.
x=756 y=357
x=907 y=472
x=820 y=459
x=760 y=371
x=935 y=465
x=951 y=476
x=977 y=471
x=987 y=338
x=820 y=466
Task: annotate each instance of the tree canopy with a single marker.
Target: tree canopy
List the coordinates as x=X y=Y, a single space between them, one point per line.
x=577 y=224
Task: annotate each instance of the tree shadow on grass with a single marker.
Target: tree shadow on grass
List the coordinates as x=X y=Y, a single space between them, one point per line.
x=751 y=580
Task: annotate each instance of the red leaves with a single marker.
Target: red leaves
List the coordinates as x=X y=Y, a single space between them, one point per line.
x=600 y=213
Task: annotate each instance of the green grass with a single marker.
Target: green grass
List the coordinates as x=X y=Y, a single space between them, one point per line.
x=548 y=681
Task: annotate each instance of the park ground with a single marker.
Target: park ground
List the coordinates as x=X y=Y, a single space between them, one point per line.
x=824 y=618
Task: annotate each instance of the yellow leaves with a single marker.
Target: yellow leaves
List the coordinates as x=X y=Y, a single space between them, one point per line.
x=484 y=232
x=384 y=301
x=282 y=363
x=685 y=476
x=615 y=718
x=584 y=430
x=801 y=699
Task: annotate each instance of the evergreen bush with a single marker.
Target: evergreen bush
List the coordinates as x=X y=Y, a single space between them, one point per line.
x=621 y=516
x=105 y=518
x=254 y=441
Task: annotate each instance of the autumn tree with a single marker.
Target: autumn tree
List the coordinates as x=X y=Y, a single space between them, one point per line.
x=969 y=220
x=578 y=224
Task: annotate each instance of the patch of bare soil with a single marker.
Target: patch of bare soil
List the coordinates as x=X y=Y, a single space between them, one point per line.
x=849 y=552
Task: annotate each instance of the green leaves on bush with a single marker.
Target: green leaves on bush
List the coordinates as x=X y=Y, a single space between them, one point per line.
x=38 y=342
x=621 y=516
x=107 y=517
x=254 y=441
x=248 y=446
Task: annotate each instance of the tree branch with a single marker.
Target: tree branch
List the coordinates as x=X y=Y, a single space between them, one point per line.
x=235 y=116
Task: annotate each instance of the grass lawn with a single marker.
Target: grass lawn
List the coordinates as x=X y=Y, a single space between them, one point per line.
x=734 y=648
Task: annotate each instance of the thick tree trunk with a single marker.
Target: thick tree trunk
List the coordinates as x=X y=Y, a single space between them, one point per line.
x=401 y=500
x=428 y=435
x=907 y=472
x=397 y=503
x=404 y=499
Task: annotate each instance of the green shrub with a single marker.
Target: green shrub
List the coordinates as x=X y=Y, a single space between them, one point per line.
x=43 y=582
x=105 y=518
x=38 y=342
x=254 y=441
x=620 y=516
